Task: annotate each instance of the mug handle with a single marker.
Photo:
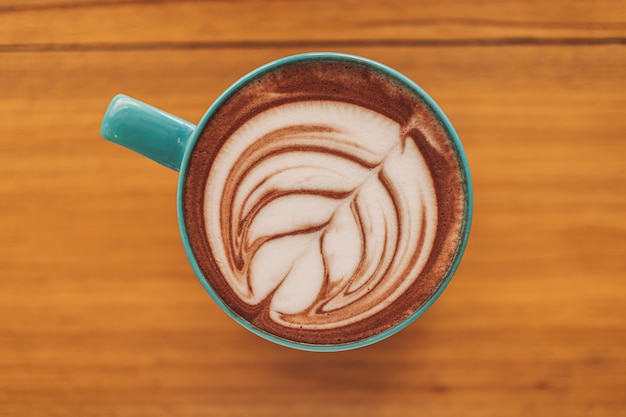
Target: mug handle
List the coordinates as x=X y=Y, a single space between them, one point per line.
x=147 y=130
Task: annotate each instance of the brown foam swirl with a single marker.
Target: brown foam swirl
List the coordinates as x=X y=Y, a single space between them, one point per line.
x=344 y=198
x=320 y=226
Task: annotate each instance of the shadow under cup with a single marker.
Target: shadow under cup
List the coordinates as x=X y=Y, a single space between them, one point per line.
x=324 y=199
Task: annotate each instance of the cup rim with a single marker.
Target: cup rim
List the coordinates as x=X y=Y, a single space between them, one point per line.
x=436 y=111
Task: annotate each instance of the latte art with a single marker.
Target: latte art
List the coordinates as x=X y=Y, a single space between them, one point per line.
x=323 y=210
x=324 y=202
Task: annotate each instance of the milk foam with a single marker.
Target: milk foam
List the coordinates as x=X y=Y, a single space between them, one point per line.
x=322 y=208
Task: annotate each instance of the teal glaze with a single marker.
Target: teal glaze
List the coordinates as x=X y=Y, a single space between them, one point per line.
x=147 y=130
x=169 y=141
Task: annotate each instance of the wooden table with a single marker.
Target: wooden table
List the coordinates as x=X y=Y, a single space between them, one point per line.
x=101 y=315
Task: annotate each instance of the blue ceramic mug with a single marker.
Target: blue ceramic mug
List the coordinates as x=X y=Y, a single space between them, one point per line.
x=324 y=199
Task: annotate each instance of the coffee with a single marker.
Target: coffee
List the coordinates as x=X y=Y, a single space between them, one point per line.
x=324 y=201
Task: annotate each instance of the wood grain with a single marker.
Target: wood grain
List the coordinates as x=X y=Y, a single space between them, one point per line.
x=101 y=315
x=97 y=23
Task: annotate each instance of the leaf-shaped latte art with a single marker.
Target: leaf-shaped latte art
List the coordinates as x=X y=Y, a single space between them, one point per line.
x=322 y=209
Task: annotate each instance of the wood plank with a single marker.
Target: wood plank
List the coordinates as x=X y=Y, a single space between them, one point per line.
x=70 y=22
x=100 y=313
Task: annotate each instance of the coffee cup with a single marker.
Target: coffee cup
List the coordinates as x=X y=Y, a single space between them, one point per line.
x=324 y=199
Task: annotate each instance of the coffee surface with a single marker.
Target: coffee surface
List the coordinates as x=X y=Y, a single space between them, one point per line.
x=324 y=202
